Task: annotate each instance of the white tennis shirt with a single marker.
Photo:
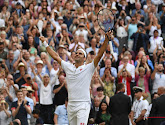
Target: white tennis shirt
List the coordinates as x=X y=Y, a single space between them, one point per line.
x=78 y=81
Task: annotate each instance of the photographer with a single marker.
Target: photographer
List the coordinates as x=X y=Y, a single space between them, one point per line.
x=140 y=39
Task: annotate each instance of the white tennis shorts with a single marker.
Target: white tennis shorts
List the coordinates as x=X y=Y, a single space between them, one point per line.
x=78 y=112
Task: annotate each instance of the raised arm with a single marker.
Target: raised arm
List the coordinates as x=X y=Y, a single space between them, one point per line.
x=51 y=52
x=103 y=48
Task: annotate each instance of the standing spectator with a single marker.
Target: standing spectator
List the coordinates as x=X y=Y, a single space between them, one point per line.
x=158 y=76
x=20 y=108
x=103 y=116
x=60 y=91
x=121 y=33
x=61 y=114
x=120 y=107
x=140 y=39
x=142 y=79
x=125 y=77
x=132 y=28
x=155 y=41
x=139 y=108
x=45 y=96
x=158 y=109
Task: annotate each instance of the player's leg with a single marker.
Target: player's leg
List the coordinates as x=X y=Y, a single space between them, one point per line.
x=71 y=115
x=83 y=114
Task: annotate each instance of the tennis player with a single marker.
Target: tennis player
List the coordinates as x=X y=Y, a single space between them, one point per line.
x=78 y=77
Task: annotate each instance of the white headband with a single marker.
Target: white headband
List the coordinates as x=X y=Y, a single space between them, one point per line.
x=83 y=52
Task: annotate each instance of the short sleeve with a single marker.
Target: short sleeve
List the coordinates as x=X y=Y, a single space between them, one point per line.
x=133 y=107
x=65 y=65
x=13 y=105
x=57 y=112
x=145 y=105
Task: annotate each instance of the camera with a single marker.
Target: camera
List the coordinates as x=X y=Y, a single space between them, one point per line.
x=28 y=78
x=141 y=30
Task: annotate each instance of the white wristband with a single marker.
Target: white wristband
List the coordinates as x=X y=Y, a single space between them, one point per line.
x=45 y=44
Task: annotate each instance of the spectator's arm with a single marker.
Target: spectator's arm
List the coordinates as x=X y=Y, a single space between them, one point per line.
x=58 y=89
x=137 y=68
x=7 y=113
x=27 y=107
x=154 y=72
x=15 y=111
x=35 y=87
x=141 y=115
x=55 y=119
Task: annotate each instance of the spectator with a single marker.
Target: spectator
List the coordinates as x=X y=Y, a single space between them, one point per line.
x=5 y=113
x=132 y=28
x=158 y=76
x=19 y=78
x=142 y=79
x=60 y=114
x=93 y=46
x=139 y=108
x=125 y=77
x=36 y=114
x=140 y=39
x=158 y=108
x=103 y=116
x=3 y=53
x=101 y=95
x=60 y=91
x=45 y=96
x=10 y=61
x=129 y=67
x=20 y=108
x=120 y=107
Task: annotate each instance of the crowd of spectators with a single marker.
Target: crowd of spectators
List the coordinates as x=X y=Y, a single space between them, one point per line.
x=33 y=89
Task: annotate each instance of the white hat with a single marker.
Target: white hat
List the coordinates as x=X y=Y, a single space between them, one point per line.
x=60 y=18
x=39 y=62
x=113 y=8
x=21 y=64
x=56 y=11
x=61 y=46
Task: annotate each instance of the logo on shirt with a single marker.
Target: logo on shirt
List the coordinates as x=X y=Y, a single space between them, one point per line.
x=80 y=69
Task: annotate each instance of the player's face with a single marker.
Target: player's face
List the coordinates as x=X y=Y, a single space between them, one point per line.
x=79 y=56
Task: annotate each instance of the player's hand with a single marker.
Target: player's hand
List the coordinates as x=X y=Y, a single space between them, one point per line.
x=42 y=38
x=108 y=35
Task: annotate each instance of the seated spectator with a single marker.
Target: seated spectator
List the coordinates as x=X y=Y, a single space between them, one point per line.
x=103 y=116
x=93 y=46
x=20 y=108
x=94 y=110
x=30 y=94
x=60 y=114
x=36 y=114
